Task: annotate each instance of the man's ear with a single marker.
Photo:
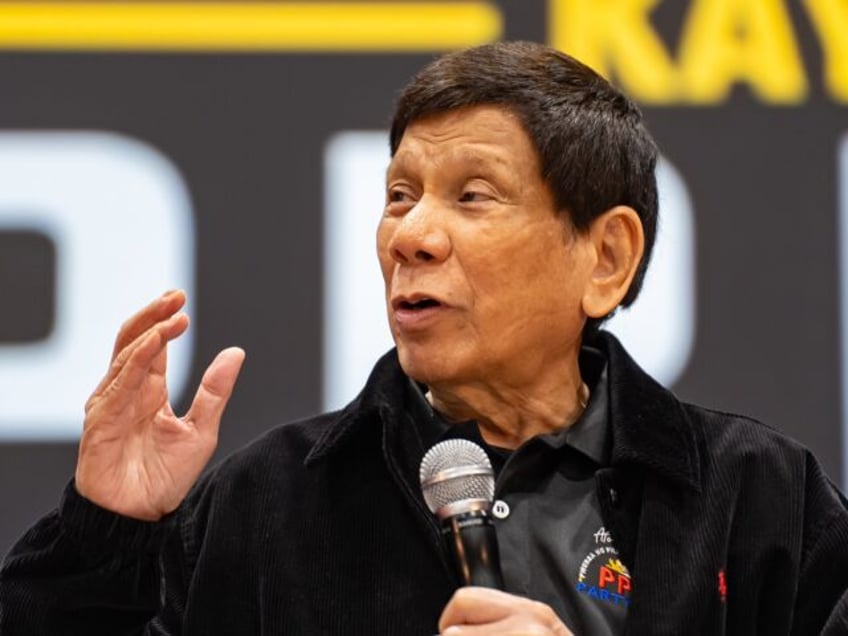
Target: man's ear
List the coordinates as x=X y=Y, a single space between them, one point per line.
x=619 y=242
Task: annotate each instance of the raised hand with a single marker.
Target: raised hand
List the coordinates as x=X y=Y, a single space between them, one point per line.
x=136 y=457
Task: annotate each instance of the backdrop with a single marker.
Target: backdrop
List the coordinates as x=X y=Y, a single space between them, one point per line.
x=237 y=151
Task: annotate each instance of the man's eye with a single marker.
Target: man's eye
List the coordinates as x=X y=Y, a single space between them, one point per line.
x=471 y=197
x=398 y=196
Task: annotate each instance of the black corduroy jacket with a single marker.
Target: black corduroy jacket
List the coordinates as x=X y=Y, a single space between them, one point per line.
x=727 y=527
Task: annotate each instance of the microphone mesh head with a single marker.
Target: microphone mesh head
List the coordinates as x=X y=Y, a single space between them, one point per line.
x=454 y=454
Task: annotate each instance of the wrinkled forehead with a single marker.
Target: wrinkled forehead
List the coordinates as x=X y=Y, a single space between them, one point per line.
x=428 y=116
x=481 y=137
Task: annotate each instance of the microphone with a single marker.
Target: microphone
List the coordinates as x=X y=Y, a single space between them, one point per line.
x=458 y=484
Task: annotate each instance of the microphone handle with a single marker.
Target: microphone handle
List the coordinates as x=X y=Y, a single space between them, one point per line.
x=472 y=540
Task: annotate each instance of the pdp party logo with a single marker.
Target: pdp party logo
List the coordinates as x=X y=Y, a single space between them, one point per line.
x=602 y=575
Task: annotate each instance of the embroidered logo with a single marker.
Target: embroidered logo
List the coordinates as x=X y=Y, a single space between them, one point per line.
x=722 y=586
x=602 y=575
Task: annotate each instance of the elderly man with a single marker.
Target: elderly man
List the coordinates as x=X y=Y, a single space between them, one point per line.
x=520 y=212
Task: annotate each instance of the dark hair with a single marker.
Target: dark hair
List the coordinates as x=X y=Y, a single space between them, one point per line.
x=594 y=149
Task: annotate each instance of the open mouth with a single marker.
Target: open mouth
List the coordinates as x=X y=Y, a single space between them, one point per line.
x=424 y=303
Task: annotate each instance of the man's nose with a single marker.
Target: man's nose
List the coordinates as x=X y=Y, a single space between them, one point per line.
x=421 y=235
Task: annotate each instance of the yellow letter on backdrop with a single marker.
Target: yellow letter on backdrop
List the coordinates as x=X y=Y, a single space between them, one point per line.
x=751 y=41
x=615 y=38
x=830 y=18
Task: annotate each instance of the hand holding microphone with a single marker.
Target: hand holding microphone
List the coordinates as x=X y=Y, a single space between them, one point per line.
x=458 y=485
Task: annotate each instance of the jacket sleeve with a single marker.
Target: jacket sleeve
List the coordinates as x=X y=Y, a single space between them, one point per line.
x=85 y=570
x=822 y=599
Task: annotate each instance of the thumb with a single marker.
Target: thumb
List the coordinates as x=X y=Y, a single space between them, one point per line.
x=215 y=390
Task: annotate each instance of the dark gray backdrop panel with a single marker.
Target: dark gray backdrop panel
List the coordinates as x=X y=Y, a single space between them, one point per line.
x=247 y=132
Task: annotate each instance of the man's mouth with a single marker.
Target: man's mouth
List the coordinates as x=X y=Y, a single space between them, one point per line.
x=416 y=311
x=423 y=303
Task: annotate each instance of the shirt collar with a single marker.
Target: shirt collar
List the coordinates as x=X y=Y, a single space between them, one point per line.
x=590 y=434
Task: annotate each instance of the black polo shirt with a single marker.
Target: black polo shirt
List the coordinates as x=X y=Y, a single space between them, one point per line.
x=553 y=544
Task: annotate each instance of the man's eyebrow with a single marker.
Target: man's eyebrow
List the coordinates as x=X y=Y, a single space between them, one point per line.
x=396 y=163
x=478 y=159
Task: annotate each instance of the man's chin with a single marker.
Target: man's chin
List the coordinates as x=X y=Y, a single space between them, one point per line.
x=426 y=366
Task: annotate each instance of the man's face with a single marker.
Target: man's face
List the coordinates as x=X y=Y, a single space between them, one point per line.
x=484 y=278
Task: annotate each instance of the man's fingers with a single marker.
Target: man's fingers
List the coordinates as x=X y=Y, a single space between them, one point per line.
x=215 y=389
x=518 y=625
x=119 y=393
x=507 y=627
x=171 y=329
x=166 y=330
x=475 y=605
x=478 y=606
x=156 y=311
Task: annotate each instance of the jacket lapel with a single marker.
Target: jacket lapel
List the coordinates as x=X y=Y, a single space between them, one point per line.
x=651 y=498
x=382 y=403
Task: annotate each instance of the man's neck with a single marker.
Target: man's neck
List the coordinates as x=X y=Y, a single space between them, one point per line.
x=509 y=414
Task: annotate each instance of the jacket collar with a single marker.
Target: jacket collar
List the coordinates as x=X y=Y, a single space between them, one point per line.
x=381 y=398
x=650 y=428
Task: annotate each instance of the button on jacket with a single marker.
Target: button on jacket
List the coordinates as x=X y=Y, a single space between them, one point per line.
x=726 y=526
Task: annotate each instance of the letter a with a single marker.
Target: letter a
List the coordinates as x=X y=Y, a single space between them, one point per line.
x=751 y=41
x=830 y=18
